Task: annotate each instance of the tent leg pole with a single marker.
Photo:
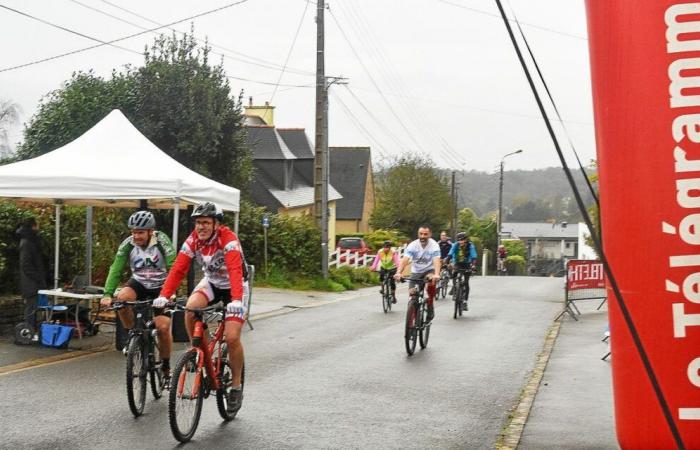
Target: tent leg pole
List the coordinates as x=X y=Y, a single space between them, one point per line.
x=235 y=223
x=57 y=246
x=88 y=244
x=176 y=220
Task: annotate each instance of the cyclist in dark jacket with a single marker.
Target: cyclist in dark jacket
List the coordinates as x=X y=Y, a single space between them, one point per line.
x=32 y=273
x=445 y=245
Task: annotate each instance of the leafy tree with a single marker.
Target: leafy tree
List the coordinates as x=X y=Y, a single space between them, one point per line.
x=466 y=218
x=9 y=116
x=178 y=100
x=514 y=247
x=411 y=192
x=531 y=211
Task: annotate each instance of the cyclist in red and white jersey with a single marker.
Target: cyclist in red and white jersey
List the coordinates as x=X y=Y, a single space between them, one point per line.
x=219 y=252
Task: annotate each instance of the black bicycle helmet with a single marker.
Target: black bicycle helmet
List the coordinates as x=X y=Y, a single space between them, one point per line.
x=387 y=244
x=141 y=220
x=461 y=235
x=208 y=209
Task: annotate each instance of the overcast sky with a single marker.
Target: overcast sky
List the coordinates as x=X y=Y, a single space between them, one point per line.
x=431 y=76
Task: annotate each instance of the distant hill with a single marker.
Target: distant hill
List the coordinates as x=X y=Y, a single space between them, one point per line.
x=528 y=195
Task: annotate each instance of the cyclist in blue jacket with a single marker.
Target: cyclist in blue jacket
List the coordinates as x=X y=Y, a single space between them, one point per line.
x=462 y=258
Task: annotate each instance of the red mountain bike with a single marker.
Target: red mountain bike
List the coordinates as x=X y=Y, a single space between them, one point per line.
x=202 y=369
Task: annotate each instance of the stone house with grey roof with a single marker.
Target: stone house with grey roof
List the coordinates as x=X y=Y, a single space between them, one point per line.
x=351 y=174
x=283 y=159
x=556 y=242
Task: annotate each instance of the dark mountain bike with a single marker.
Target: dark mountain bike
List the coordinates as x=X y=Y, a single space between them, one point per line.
x=202 y=369
x=443 y=282
x=387 y=298
x=142 y=356
x=459 y=292
x=417 y=324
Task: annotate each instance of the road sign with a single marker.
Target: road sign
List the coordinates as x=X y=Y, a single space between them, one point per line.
x=266 y=221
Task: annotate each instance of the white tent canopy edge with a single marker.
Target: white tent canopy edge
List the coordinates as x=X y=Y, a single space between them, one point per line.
x=112 y=164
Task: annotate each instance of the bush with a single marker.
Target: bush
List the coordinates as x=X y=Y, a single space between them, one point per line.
x=329 y=285
x=293 y=242
x=376 y=239
x=515 y=265
x=343 y=276
x=514 y=247
x=364 y=276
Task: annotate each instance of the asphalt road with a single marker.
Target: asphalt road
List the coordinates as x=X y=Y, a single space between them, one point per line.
x=334 y=376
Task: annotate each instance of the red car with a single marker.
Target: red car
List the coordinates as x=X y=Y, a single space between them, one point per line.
x=354 y=245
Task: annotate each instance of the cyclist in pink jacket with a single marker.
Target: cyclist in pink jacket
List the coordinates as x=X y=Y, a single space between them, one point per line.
x=387 y=260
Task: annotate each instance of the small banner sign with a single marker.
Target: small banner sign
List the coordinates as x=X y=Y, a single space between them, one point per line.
x=585 y=274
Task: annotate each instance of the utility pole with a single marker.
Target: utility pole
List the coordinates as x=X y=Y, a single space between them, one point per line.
x=454 y=207
x=500 y=198
x=500 y=206
x=320 y=161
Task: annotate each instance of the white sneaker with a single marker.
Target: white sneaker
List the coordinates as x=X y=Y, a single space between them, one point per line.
x=35 y=338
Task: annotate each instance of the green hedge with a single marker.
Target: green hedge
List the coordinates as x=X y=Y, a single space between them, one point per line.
x=515 y=265
x=293 y=243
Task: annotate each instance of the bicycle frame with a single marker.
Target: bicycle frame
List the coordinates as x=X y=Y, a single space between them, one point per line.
x=204 y=353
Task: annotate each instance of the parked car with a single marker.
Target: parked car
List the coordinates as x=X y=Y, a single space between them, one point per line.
x=354 y=245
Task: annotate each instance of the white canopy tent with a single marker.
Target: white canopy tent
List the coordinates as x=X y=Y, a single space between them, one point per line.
x=112 y=164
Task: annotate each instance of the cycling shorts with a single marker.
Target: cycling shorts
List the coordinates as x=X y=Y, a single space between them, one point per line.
x=223 y=295
x=143 y=293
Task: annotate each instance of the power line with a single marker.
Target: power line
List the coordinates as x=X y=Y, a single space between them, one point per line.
x=369 y=112
x=382 y=151
x=289 y=53
x=260 y=62
x=540 y=27
x=68 y=30
x=391 y=108
x=368 y=39
x=270 y=83
x=123 y=38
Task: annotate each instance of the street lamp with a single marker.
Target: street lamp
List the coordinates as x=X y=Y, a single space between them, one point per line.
x=500 y=198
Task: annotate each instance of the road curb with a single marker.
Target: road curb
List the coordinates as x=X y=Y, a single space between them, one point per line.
x=26 y=365
x=511 y=434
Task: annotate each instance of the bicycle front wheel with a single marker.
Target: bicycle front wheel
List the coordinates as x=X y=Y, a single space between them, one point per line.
x=156 y=370
x=386 y=297
x=444 y=281
x=424 y=333
x=136 y=376
x=186 y=395
x=411 y=331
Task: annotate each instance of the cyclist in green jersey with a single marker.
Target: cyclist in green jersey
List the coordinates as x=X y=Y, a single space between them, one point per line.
x=150 y=254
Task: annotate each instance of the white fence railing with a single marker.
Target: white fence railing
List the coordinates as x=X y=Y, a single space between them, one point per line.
x=354 y=259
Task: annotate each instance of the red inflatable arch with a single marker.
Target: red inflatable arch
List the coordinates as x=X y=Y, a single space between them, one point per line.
x=645 y=65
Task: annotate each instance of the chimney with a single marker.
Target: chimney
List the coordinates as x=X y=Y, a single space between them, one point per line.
x=265 y=113
x=564 y=224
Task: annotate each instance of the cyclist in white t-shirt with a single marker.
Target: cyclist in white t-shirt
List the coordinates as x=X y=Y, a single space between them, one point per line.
x=424 y=255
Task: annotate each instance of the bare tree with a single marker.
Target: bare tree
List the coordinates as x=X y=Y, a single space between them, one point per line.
x=9 y=116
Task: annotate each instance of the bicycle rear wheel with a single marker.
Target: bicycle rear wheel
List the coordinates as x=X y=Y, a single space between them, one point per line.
x=186 y=395
x=136 y=376
x=411 y=331
x=156 y=370
x=444 y=281
x=225 y=381
x=424 y=332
